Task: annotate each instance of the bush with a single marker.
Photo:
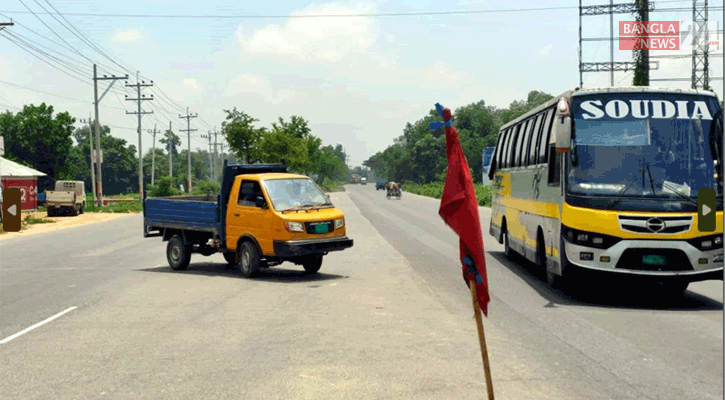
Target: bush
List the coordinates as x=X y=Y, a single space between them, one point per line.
x=165 y=186
x=200 y=188
x=435 y=190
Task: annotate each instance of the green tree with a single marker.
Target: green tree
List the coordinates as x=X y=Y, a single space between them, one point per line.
x=38 y=139
x=277 y=144
x=170 y=137
x=242 y=136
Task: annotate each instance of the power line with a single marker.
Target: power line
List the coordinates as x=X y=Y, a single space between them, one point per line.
x=55 y=95
x=82 y=36
x=397 y=14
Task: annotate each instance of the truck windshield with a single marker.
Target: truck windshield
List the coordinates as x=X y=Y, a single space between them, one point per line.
x=617 y=137
x=294 y=192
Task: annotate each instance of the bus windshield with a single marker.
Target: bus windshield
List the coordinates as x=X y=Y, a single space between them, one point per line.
x=653 y=146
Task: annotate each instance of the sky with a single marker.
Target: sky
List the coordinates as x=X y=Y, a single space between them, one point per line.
x=357 y=79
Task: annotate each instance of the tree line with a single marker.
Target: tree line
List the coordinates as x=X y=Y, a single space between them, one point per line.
x=419 y=154
x=45 y=140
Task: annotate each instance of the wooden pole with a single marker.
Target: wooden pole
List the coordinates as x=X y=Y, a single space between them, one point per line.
x=482 y=340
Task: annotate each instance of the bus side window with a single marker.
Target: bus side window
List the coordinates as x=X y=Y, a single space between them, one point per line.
x=509 y=144
x=534 y=145
x=523 y=127
x=499 y=148
x=521 y=146
x=554 y=166
x=545 y=136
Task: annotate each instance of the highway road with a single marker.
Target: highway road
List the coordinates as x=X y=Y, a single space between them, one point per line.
x=388 y=319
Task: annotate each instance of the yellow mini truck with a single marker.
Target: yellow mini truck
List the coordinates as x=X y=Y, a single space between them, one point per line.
x=263 y=216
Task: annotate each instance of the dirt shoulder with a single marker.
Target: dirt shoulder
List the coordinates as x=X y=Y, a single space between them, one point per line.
x=62 y=222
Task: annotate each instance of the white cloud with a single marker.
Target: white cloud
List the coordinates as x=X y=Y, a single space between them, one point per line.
x=544 y=51
x=316 y=39
x=190 y=83
x=445 y=73
x=127 y=36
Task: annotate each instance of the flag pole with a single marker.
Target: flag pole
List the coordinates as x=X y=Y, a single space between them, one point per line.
x=481 y=339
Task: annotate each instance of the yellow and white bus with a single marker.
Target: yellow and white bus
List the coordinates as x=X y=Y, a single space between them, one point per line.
x=607 y=179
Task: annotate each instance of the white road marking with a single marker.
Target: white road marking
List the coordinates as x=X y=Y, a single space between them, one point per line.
x=41 y=323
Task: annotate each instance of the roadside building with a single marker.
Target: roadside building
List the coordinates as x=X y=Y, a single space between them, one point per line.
x=24 y=178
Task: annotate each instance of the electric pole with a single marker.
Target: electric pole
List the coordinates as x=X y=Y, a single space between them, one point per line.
x=90 y=143
x=211 y=162
x=113 y=79
x=140 y=98
x=153 y=153
x=216 y=157
x=188 y=131
x=169 y=143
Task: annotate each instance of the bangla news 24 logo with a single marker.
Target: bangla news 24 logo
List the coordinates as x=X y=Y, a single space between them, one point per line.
x=668 y=35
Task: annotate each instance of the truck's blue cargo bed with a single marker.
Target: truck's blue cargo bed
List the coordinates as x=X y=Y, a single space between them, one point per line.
x=182 y=213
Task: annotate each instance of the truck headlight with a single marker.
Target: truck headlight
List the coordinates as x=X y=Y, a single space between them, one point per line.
x=339 y=223
x=294 y=226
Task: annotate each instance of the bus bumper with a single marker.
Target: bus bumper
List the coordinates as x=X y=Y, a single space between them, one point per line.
x=675 y=259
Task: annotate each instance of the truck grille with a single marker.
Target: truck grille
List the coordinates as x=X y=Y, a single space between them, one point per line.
x=655 y=224
x=319 y=227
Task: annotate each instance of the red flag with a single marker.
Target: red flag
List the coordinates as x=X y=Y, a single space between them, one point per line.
x=459 y=210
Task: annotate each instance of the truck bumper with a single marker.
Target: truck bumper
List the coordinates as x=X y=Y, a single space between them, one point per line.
x=295 y=248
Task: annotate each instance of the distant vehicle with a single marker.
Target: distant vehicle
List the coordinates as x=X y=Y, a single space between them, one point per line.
x=486 y=158
x=380 y=186
x=363 y=181
x=68 y=196
x=263 y=217
x=41 y=199
x=607 y=179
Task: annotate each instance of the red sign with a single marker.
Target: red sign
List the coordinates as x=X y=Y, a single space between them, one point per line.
x=650 y=35
x=28 y=192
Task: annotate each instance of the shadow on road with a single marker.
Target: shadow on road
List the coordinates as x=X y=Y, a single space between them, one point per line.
x=265 y=275
x=595 y=289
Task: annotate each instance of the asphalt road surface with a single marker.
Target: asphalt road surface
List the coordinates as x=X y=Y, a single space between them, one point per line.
x=388 y=319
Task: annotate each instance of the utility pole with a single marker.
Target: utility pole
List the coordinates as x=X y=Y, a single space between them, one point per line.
x=216 y=157
x=170 y=145
x=188 y=131
x=138 y=87
x=90 y=143
x=153 y=153
x=113 y=79
x=211 y=162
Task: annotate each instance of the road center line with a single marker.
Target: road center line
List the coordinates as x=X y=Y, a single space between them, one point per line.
x=41 y=323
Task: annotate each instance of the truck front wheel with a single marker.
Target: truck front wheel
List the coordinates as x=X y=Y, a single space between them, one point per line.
x=248 y=259
x=178 y=254
x=312 y=264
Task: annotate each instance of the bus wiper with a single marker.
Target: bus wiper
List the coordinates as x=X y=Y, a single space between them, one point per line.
x=320 y=205
x=666 y=186
x=618 y=196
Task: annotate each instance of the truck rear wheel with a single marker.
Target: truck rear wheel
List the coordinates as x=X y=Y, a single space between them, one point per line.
x=248 y=259
x=312 y=264
x=178 y=254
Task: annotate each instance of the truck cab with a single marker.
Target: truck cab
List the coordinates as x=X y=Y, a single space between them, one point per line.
x=287 y=217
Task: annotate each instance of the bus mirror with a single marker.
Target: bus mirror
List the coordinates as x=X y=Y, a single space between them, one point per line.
x=562 y=133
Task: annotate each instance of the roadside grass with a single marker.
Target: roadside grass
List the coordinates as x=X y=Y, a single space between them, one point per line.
x=435 y=190
x=120 y=207
x=29 y=220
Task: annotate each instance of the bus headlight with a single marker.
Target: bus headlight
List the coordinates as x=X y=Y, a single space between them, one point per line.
x=597 y=240
x=718 y=239
x=582 y=237
x=706 y=244
x=294 y=226
x=339 y=223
